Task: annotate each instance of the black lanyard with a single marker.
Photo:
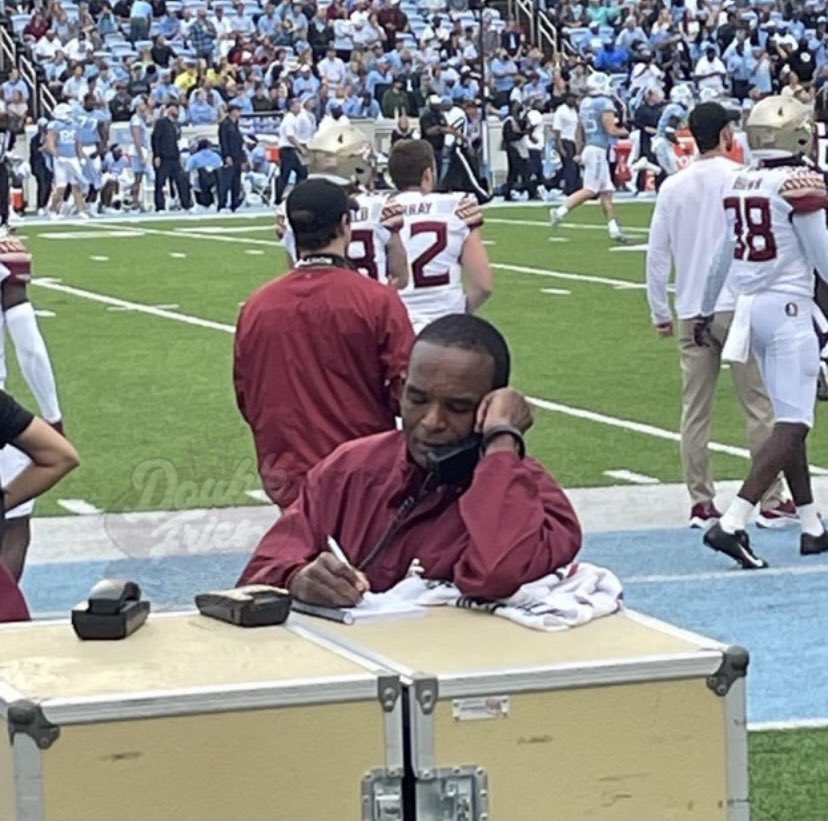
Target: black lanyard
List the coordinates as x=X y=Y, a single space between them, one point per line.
x=325 y=261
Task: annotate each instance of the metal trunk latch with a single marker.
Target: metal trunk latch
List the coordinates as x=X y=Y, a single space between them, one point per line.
x=27 y=717
x=734 y=665
x=381 y=797
x=454 y=794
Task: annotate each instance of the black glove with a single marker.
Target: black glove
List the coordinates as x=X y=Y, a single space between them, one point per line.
x=701 y=330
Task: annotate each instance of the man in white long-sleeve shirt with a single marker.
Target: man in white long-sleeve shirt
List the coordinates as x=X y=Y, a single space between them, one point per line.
x=776 y=238
x=687 y=226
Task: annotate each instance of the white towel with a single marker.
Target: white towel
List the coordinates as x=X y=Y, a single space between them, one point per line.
x=737 y=346
x=573 y=595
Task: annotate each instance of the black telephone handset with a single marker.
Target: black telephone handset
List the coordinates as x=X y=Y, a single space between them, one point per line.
x=110 y=596
x=452 y=464
x=113 y=610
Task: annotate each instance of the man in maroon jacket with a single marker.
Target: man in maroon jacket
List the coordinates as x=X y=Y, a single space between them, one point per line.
x=504 y=523
x=320 y=354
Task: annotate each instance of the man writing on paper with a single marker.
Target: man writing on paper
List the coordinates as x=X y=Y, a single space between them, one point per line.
x=502 y=523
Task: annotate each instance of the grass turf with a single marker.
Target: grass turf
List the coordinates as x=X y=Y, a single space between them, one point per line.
x=149 y=401
x=789 y=775
x=143 y=390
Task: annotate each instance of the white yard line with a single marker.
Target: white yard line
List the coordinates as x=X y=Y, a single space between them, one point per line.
x=631 y=477
x=161 y=313
x=184 y=233
x=733 y=574
x=647 y=430
x=556 y=291
x=118 y=308
x=563 y=225
x=801 y=724
x=79 y=506
x=44 y=314
x=596 y=280
x=241 y=229
x=556 y=407
x=91 y=234
x=629 y=248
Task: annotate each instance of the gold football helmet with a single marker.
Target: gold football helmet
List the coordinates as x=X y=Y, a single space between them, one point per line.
x=781 y=125
x=342 y=153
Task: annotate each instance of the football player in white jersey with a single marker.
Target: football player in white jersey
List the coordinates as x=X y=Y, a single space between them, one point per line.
x=342 y=154
x=441 y=235
x=776 y=239
x=18 y=318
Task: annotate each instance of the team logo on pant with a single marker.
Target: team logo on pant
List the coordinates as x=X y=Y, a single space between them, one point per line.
x=792 y=309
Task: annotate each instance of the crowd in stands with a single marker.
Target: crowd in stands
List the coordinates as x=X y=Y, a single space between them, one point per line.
x=357 y=59
x=379 y=58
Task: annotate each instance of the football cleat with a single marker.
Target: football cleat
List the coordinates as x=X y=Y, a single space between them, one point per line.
x=621 y=238
x=554 y=219
x=703 y=515
x=736 y=545
x=775 y=518
x=811 y=545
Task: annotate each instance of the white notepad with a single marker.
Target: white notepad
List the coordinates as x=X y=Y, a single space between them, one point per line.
x=384 y=606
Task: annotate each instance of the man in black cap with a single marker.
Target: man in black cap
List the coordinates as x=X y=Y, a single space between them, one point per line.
x=687 y=227
x=167 y=158
x=320 y=354
x=232 y=152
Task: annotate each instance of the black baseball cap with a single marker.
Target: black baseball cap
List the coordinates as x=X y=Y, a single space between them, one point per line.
x=315 y=205
x=706 y=123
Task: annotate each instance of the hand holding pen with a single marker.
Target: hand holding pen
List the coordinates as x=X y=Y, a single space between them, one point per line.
x=330 y=580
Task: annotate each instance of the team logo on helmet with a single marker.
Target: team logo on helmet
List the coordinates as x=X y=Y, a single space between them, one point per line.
x=342 y=153
x=780 y=126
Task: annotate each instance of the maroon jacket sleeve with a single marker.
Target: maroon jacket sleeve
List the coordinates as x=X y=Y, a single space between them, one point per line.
x=238 y=368
x=12 y=604
x=520 y=527
x=395 y=338
x=294 y=541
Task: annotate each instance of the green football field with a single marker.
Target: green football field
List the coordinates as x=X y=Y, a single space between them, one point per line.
x=141 y=341
x=138 y=316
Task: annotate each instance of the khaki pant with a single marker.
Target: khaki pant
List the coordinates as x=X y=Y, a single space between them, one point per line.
x=700 y=368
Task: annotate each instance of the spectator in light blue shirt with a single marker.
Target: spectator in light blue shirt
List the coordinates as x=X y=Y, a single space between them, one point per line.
x=469 y=88
x=760 y=76
x=305 y=83
x=201 y=112
x=380 y=76
x=503 y=70
x=740 y=64
x=14 y=84
x=362 y=107
x=820 y=50
x=240 y=22
x=242 y=102
x=535 y=88
x=630 y=34
x=164 y=90
x=268 y=21
x=169 y=26
x=140 y=15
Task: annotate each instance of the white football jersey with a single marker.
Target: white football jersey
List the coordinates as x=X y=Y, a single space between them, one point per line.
x=762 y=202
x=435 y=228
x=372 y=225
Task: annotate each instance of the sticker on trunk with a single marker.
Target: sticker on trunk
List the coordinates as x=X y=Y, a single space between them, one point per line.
x=477 y=709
